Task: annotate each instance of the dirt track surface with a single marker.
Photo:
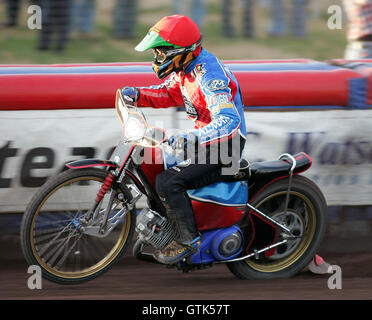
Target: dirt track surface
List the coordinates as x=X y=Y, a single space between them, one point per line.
x=131 y=279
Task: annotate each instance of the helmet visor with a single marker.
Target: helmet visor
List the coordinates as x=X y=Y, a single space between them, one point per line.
x=152 y=40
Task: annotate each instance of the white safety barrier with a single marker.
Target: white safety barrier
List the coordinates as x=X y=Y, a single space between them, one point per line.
x=35 y=145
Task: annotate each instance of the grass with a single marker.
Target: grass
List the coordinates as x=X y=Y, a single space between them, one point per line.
x=19 y=45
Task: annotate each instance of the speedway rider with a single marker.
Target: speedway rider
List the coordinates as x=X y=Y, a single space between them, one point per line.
x=209 y=91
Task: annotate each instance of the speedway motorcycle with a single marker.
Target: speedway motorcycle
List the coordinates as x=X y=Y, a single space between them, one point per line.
x=265 y=221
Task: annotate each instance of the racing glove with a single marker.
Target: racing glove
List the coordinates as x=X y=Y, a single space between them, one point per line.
x=181 y=141
x=130 y=94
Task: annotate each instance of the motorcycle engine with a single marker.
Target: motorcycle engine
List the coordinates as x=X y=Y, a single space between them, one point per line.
x=226 y=243
x=230 y=245
x=154 y=229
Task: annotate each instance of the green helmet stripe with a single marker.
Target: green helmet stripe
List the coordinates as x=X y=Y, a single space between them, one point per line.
x=152 y=40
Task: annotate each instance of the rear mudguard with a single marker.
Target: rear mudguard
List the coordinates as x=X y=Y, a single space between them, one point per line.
x=263 y=174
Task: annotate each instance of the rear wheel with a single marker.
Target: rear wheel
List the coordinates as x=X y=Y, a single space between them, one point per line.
x=306 y=217
x=52 y=234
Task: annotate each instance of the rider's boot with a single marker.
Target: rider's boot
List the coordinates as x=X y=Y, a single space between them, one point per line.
x=187 y=239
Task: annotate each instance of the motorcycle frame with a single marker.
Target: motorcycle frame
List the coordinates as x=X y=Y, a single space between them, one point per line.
x=255 y=253
x=119 y=173
x=142 y=186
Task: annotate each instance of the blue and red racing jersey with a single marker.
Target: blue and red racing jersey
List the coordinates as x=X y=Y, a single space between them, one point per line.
x=209 y=92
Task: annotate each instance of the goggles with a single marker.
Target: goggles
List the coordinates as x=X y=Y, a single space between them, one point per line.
x=162 y=54
x=165 y=53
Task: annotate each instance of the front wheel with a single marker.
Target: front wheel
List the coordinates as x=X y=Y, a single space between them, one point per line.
x=52 y=235
x=306 y=217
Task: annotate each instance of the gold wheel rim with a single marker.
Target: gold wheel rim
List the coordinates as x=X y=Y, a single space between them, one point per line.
x=122 y=239
x=302 y=246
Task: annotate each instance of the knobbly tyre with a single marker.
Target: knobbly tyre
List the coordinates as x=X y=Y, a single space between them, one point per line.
x=266 y=221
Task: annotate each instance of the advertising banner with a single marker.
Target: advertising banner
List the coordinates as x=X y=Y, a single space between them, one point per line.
x=339 y=143
x=35 y=145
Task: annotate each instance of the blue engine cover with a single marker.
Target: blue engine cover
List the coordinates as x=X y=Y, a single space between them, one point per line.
x=210 y=241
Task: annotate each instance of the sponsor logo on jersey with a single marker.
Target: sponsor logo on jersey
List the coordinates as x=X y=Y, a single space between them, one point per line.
x=190 y=109
x=219 y=98
x=220 y=101
x=218 y=107
x=200 y=69
x=216 y=84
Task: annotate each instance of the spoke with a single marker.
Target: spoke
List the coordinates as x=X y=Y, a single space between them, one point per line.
x=280 y=201
x=59 y=242
x=44 y=222
x=105 y=248
x=55 y=252
x=44 y=236
x=77 y=255
x=54 y=239
x=90 y=250
x=297 y=205
x=289 y=221
x=52 y=255
x=62 y=260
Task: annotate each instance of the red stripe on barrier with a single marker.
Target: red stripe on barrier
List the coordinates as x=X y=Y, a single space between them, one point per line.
x=296 y=88
x=66 y=91
x=97 y=90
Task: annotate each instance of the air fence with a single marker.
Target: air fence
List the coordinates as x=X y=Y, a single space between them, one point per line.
x=53 y=114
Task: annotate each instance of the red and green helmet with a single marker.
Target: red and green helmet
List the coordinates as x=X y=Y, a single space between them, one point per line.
x=178 y=37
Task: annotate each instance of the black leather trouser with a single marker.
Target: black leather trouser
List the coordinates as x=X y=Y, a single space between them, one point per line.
x=172 y=184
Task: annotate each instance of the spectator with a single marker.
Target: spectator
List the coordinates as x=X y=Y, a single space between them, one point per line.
x=82 y=16
x=298 y=17
x=227 y=24
x=125 y=18
x=247 y=17
x=248 y=26
x=55 y=23
x=13 y=12
x=13 y=7
x=359 y=35
x=196 y=10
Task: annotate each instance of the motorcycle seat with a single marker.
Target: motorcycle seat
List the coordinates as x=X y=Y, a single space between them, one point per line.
x=268 y=170
x=281 y=167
